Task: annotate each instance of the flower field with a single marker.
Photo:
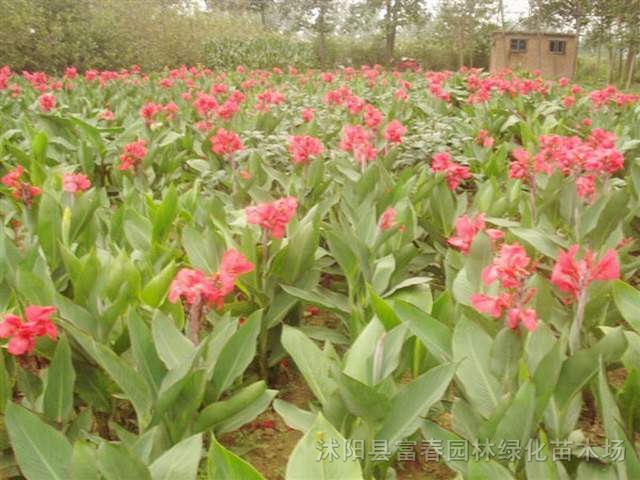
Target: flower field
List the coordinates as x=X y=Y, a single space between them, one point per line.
x=404 y=274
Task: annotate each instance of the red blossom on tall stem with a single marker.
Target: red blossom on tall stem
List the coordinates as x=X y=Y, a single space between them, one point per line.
x=466 y=230
x=200 y=291
x=23 y=334
x=573 y=275
x=274 y=216
x=395 y=132
x=303 y=147
x=132 y=155
x=21 y=191
x=511 y=268
x=454 y=172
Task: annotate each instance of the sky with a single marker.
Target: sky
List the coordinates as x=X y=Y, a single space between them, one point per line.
x=513 y=9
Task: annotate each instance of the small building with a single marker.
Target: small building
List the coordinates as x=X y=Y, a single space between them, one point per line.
x=551 y=53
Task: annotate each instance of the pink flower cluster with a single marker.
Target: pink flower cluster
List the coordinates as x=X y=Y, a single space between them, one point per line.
x=75 y=183
x=303 y=147
x=23 y=334
x=357 y=140
x=132 y=155
x=395 y=132
x=274 y=216
x=583 y=160
x=225 y=142
x=47 y=102
x=20 y=190
x=454 y=172
x=484 y=139
x=572 y=275
x=387 y=219
x=194 y=286
x=511 y=268
x=151 y=110
x=466 y=230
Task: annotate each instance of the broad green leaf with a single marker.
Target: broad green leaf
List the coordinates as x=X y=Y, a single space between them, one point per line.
x=156 y=290
x=237 y=353
x=320 y=297
x=181 y=461
x=224 y=465
x=217 y=412
x=144 y=352
x=627 y=300
x=116 y=462
x=311 y=362
x=127 y=378
x=435 y=335
x=83 y=462
x=472 y=346
x=58 y=394
x=306 y=459
x=411 y=403
x=293 y=416
x=172 y=347
x=42 y=452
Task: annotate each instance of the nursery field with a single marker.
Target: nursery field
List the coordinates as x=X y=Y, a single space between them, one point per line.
x=355 y=274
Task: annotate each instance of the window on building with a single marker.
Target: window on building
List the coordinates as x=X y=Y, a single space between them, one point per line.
x=557 y=46
x=518 y=45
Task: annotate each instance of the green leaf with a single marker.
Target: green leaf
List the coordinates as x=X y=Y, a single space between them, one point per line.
x=293 y=416
x=583 y=366
x=172 y=346
x=165 y=215
x=435 y=335
x=42 y=452
x=58 y=394
x=128 y=379
x=613 y=426
x=472 y=346
x=540 y=241
x=383 y=311
x=116 y=462
x=220 y=411
x=155 y=291
x=83 y=462
x=412 y=403
x=362 y=400
x=49 y=228
x=6 y=386
x=320 y=297
x=137 y=230
x=382 y=272
x=247 y=414
x=627 y=300
x=181 y=461
x=303 y=463
x=311 y=362
x=237 y=353
x=517 y=422
x=224 y=465
x=144 y=353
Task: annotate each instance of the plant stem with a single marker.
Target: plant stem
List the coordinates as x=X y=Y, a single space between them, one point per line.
x=263 y=340
x=576 y=327
x=195 y=314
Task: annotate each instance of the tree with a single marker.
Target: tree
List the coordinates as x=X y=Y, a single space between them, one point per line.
x=393 y=15
x=460 y=23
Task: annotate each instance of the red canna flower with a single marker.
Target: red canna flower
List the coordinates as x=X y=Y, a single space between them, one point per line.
x=387 y=219
x=132 y=155
x=46 y=102
x=484 y=139
x=357 y=141
x=307 y=115
x=193 y=286
x=273 y=216
x=303 y=147
x=372 y=116
x=226 y=142
x=511 y=267
x=466 y=230
x=573 y=276
x=454 y=172
x=20 y=190
x=394 y=132
x=75 y=182
x=23 y=334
